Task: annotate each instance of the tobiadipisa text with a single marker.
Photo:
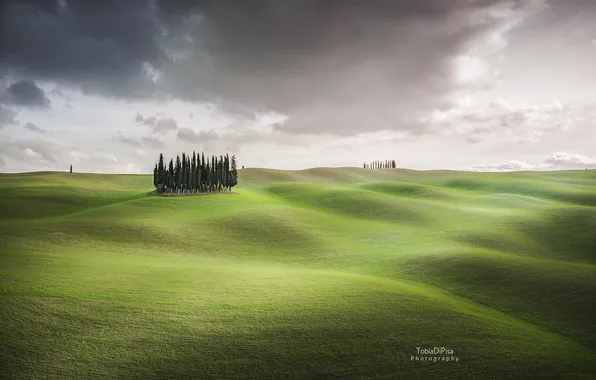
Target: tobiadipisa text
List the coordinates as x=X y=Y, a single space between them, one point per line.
x=434 y=354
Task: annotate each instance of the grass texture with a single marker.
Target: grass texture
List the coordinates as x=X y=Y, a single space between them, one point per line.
x=326 y=273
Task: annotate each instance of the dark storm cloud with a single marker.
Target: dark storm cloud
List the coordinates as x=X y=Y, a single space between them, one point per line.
x=311 y=60
x=98 y=45
x=337 y=67
x=25 y=93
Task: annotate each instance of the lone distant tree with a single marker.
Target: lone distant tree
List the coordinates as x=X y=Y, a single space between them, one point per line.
x=71 y=168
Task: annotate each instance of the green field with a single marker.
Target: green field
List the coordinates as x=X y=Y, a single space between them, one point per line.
x=314 y=274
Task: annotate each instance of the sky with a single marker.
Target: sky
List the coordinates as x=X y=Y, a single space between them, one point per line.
x=485 y=85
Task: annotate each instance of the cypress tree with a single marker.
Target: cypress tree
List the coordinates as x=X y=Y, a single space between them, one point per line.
x=220 y=174
x=208 y=177
x=183 y=182
x=193 y=169
x=178 y=173
x=71 y=169
x=203 y=173
x=186 y=173
x=200 y=173
x=233 y=172
x=227 y=172
x=155 y=176
x=160 y=170
x=212 y=173
x=171 y=176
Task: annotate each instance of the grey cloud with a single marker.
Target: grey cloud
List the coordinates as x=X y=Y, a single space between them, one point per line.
x=563 y=160
x=25 y=93
x=139 y=118
x=523 y=123
x=58 y=155
x=150 y=142
x=127 y=140
x=382 y=58
x=152 y=120
x=158 y=124
x=32 y=127
x=334 y=67
x=165 y=125
x=503 y=167
x=35 y=151
x=7 y=116
x=153 y=142
x=379 y=61
x=101 y=47
x=190 y=136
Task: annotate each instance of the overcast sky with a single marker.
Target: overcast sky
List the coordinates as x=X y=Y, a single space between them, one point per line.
x=434 y=84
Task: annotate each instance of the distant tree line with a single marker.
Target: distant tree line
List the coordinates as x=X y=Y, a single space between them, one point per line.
x=195 y=174
x=380 y=164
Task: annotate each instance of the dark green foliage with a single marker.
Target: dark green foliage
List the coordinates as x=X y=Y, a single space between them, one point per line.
x=71 y=168
x=196 y=174
x=378 y=164
x=193 y=172
x=170 y=183
x=233 y=173
x=177 y=174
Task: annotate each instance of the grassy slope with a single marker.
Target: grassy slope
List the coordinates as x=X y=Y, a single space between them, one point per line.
x=321 y=273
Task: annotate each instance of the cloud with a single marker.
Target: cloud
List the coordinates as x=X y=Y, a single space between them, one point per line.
x=189 y=136
x=158 y=124
x=165 y=125
x=127 y=140
x=152 y=142
x=102 y=47
x=149 y=142
x=340 y=68
x=386 y=62
x=521 y=123
x=563 y=160
x=554 y=161
x=151 y=121
x=33 y=151
x=58 y=155
x=32 y=127
x=503 y=167
x=139 y=118
x=25 y=93
x=7 y=116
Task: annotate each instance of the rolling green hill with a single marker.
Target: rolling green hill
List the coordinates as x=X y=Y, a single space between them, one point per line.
x=326 y=273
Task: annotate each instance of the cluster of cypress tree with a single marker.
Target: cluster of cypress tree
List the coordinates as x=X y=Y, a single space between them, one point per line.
x=195 y=174
x=379 y=164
